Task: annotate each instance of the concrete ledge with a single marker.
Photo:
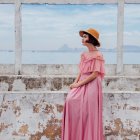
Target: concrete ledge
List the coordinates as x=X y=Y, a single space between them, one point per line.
x=65 y=76
x=64 y=92
x=64 y=69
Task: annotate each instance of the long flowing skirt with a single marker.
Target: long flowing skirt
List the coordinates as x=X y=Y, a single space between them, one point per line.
x=82 y=113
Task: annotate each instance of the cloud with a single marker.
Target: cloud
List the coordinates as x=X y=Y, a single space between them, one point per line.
x=41 y=24
x=59 y=22
x=90 y=16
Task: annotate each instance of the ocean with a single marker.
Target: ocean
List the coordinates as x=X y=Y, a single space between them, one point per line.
x=35 y=57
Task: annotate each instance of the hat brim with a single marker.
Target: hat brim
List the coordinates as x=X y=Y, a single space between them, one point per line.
x=82 y=32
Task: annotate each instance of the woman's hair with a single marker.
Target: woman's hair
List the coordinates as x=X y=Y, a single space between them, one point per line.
x=92 y=40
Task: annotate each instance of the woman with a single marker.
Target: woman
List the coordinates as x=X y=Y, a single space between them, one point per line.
x=82 y=113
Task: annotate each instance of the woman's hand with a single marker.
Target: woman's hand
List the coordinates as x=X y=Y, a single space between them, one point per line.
x=74 y=85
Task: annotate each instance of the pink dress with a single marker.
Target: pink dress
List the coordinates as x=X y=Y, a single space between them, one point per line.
x=82 y=113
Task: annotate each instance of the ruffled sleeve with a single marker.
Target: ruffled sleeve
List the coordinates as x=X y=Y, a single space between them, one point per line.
x=99 y=66
x=92 y=64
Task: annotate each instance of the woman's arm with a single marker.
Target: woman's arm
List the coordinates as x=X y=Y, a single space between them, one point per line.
x=88 y=79
x=77 y=78
x=85 y=81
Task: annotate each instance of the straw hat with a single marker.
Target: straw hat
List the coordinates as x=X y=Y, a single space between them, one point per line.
x=90 y=31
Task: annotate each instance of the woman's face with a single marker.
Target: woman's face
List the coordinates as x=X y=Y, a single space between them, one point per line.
x=84 y=39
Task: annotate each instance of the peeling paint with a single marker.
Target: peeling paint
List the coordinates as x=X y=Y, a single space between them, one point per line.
x=32 y=115
x=38 y=116
x=51 y=130
x=23 y=129
x=121 y=116
x=49 y=109
x=36 y=108
x=59 y=108
x=4 y=126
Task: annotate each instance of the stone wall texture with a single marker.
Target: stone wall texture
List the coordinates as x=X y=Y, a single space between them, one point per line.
x=31 y=104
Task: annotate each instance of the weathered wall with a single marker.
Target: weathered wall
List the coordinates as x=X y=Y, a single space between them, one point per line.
x=31 y=116
x=31 y=105
x=37 y=116
x=61 y=83
x=122 y=116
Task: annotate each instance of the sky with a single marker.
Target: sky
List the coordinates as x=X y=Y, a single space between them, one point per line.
x=50 y=27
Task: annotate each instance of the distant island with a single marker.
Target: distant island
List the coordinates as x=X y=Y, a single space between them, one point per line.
x=66 y=48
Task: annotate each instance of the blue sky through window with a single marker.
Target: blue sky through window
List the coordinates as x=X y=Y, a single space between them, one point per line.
x=46 y=27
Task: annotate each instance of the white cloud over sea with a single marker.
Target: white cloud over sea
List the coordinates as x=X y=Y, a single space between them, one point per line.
x=51 y=26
